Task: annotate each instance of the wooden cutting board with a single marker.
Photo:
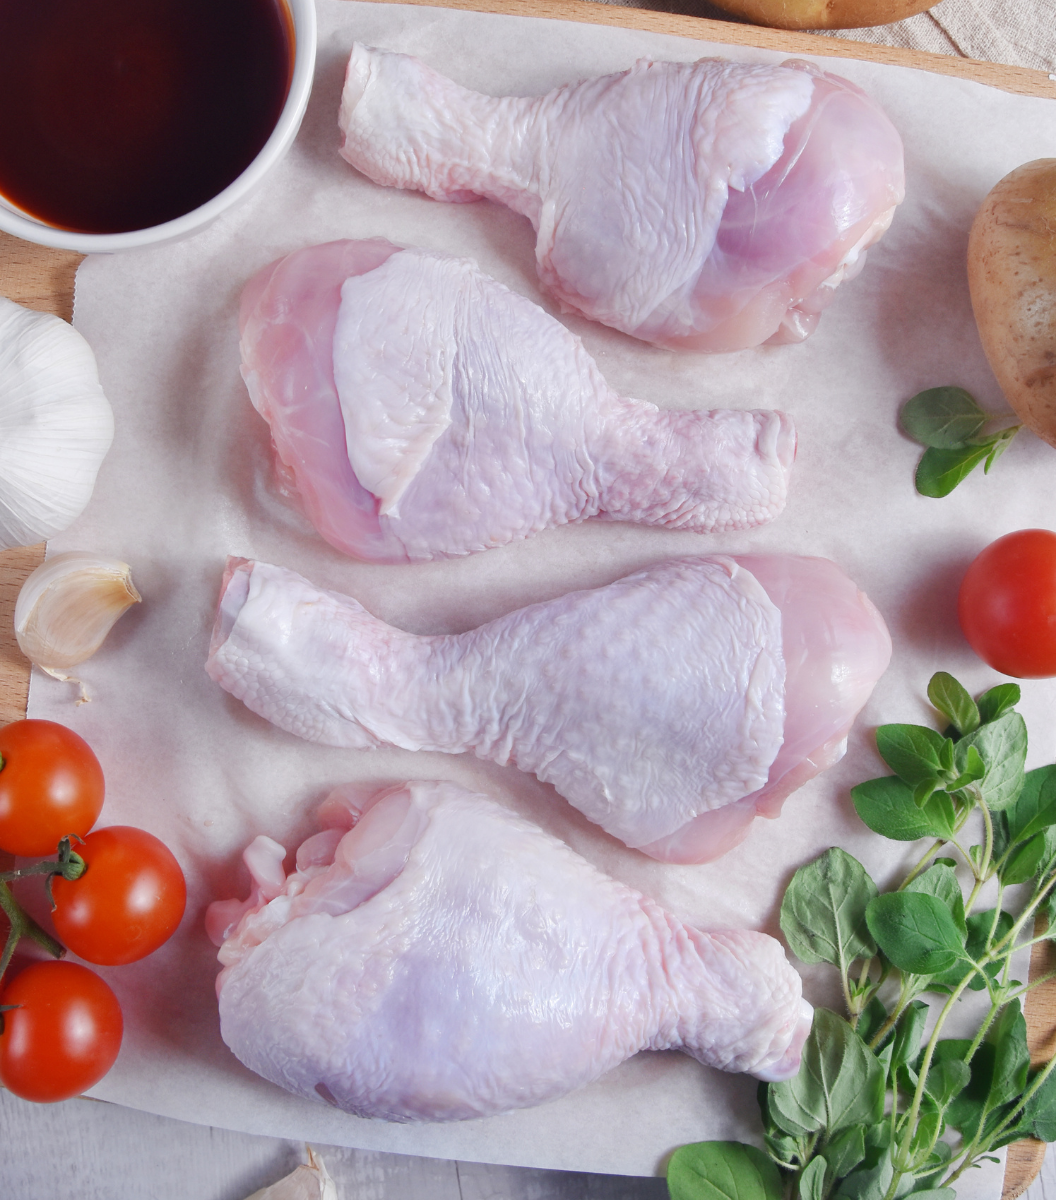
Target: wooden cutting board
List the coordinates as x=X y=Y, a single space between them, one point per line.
x=44 y=279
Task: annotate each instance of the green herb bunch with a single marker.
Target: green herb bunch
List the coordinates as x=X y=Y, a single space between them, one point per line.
x=950 y=424
x=885 y=1106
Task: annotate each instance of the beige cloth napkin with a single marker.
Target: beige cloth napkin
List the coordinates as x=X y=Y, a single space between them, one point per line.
x=1020 y=32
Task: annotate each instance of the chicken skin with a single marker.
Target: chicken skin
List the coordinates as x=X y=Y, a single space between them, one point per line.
x=421 y=410
x=711 y=205
x=670 y=707
x=444 y=959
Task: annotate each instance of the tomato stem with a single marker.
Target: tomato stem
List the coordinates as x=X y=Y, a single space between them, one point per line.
x=22 y=925
x=47 y=867
x=68 y=864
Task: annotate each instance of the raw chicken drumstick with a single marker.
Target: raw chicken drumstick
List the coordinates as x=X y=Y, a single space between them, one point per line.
x=420 y=409
x=711 y=205
x=446 y=959
x=670 y=707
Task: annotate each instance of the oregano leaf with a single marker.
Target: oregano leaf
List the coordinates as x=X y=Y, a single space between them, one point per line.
x=845 y=1151
x=812 y=1181
x=997 y=701
x=908 y=1033
x=868 y=1183
x=887 y=806
x=722 y=1171
x=952 y=700
x=946 y=1078
x=943 y=417
x=1023 y=863
x=916 y=932
x=840 y=1082
x=913 y=752
x=1002 y=744
x=940 y=881
x=940 y=471
x=1008 y=1035
x=823 y=910
x=1035 y=806
x=1040 y=1113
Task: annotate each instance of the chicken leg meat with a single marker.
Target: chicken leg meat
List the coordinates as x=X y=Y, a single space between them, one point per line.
x=444 y=959
x=711 y=205
x=420 y=410
x=670 y=707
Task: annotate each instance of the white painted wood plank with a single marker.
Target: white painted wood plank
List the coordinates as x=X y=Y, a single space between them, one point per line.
x=371 y=1175
x=87 y=1150
x=1044 y=1186
x=481 y=1181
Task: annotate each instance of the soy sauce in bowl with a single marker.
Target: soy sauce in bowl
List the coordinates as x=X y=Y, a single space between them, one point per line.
x=123 y=114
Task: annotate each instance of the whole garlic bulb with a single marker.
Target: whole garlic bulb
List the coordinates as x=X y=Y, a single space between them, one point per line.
x=66 y=608
x=55 y=425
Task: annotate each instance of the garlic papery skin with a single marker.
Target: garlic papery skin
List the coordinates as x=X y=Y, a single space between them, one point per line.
x=68 y=605
x=311 y=1181
x=55 y=425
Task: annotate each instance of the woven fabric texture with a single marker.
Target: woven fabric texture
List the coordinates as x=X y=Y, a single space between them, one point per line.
x=1020 y=32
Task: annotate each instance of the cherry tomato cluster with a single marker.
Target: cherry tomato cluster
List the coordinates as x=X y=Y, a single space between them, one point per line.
x=117 y=895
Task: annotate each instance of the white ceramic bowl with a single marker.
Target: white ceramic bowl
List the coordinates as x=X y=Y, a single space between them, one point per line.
x=304 y=30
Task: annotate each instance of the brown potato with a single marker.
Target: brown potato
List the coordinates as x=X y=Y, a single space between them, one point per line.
x=822 y=14
x=1012 y=279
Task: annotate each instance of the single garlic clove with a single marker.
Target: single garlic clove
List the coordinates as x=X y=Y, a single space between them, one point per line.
x=68 y=605
x=311 y=1181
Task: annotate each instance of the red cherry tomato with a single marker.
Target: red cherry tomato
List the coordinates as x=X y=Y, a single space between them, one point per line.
x=1007 y=604
x=51 y=785
x=63 y=1037
x=128 y=901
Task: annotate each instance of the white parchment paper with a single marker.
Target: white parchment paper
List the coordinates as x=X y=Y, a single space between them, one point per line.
x=189 y=481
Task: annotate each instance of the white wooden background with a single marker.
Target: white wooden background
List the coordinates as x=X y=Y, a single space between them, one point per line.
x=88 y=1150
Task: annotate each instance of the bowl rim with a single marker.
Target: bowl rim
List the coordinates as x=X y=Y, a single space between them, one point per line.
x=24 y=226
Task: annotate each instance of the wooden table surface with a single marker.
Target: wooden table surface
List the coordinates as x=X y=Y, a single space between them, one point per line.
x=43 y=279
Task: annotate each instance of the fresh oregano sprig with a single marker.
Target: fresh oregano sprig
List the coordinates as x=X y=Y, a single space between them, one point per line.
x=950 y=424
x=884 y=1105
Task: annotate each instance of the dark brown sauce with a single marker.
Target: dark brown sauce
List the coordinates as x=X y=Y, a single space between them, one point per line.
x=121 y=114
